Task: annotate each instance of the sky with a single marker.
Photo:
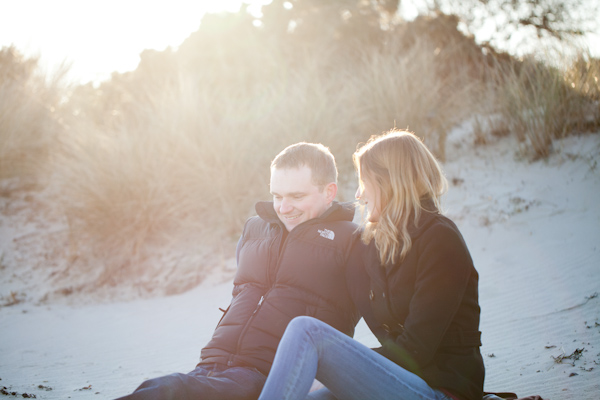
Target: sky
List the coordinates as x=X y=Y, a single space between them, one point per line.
x=95 y=38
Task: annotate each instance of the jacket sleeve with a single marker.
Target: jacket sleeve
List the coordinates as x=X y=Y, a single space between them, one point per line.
x=357 y=279
x=358 y=282
x=443 y=272
x=238 y=248
x=240 y=243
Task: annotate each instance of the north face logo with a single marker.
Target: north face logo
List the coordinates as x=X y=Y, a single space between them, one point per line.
x=327 y=234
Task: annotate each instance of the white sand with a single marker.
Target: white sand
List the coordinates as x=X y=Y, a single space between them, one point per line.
x=533 y=230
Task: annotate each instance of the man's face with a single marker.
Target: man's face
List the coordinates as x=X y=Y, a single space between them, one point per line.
x=296 y=199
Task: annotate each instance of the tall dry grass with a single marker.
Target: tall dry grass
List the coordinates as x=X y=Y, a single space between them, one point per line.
x=179 y=154
x=29 y=117
x=165 y=174
x=172 y=156
x=540 y=102
x=403 y=87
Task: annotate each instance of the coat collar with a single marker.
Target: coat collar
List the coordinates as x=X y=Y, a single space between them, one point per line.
x=429 y=214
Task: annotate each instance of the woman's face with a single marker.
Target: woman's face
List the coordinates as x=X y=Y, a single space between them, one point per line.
x=370 y=195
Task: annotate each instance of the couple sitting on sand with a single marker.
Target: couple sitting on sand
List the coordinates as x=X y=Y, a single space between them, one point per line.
x=306 y=274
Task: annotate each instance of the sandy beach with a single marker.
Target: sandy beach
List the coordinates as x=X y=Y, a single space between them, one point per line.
x=533 y=229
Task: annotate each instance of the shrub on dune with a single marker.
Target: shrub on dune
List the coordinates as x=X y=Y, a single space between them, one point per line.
x=29 y=117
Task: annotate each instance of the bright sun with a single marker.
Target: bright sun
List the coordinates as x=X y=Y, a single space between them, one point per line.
x=99 y=37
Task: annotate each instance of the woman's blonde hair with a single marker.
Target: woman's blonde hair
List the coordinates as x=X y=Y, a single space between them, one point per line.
x=407 y=174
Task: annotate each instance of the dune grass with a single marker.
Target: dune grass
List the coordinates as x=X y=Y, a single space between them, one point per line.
x=163 y=174
x=178 y=151
x=540 y=102
x=29 y=116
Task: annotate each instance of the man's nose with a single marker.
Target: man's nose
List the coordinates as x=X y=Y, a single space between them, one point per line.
x=285 y=206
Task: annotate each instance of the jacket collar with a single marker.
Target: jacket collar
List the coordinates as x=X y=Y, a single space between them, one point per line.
x=428 y=213
x=337 y=212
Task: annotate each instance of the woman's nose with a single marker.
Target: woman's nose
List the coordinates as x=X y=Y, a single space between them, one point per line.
x=357 y=194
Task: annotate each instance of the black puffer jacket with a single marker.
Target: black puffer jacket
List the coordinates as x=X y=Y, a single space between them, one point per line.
x=424 y=310
x=275 y=282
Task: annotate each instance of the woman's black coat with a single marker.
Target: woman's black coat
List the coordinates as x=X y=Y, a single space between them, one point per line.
x=424 y=310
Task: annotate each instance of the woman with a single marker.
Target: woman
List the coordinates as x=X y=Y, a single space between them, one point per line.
x=413 y=281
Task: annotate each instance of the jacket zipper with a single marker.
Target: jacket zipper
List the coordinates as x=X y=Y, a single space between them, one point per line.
x=239 y=343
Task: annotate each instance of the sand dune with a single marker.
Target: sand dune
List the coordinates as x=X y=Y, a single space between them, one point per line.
x=533 y=230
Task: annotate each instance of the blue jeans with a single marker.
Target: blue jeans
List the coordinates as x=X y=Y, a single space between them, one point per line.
x=206 y=382
x=349 y=370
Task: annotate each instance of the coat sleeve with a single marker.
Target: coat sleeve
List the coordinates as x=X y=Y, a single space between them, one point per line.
x=442 y=275
x=240 y=242
x=358 y=282
x=357 y=279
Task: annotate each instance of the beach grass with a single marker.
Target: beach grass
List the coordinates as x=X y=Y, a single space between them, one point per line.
x=179 y=149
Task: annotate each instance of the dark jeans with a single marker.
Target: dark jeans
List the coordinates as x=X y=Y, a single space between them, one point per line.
x=206 y=382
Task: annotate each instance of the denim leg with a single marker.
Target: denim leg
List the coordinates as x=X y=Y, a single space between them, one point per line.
x=310 y=348
x=206 y=382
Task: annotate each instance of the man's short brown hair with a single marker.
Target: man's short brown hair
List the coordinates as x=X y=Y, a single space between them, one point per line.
x=315 y=156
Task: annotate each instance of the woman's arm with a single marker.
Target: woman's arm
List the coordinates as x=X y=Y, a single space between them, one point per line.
x=443 y=272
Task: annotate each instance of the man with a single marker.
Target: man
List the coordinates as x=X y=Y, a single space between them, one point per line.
x=291 y=261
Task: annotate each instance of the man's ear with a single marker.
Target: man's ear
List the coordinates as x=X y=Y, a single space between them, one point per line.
x=331 y=191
